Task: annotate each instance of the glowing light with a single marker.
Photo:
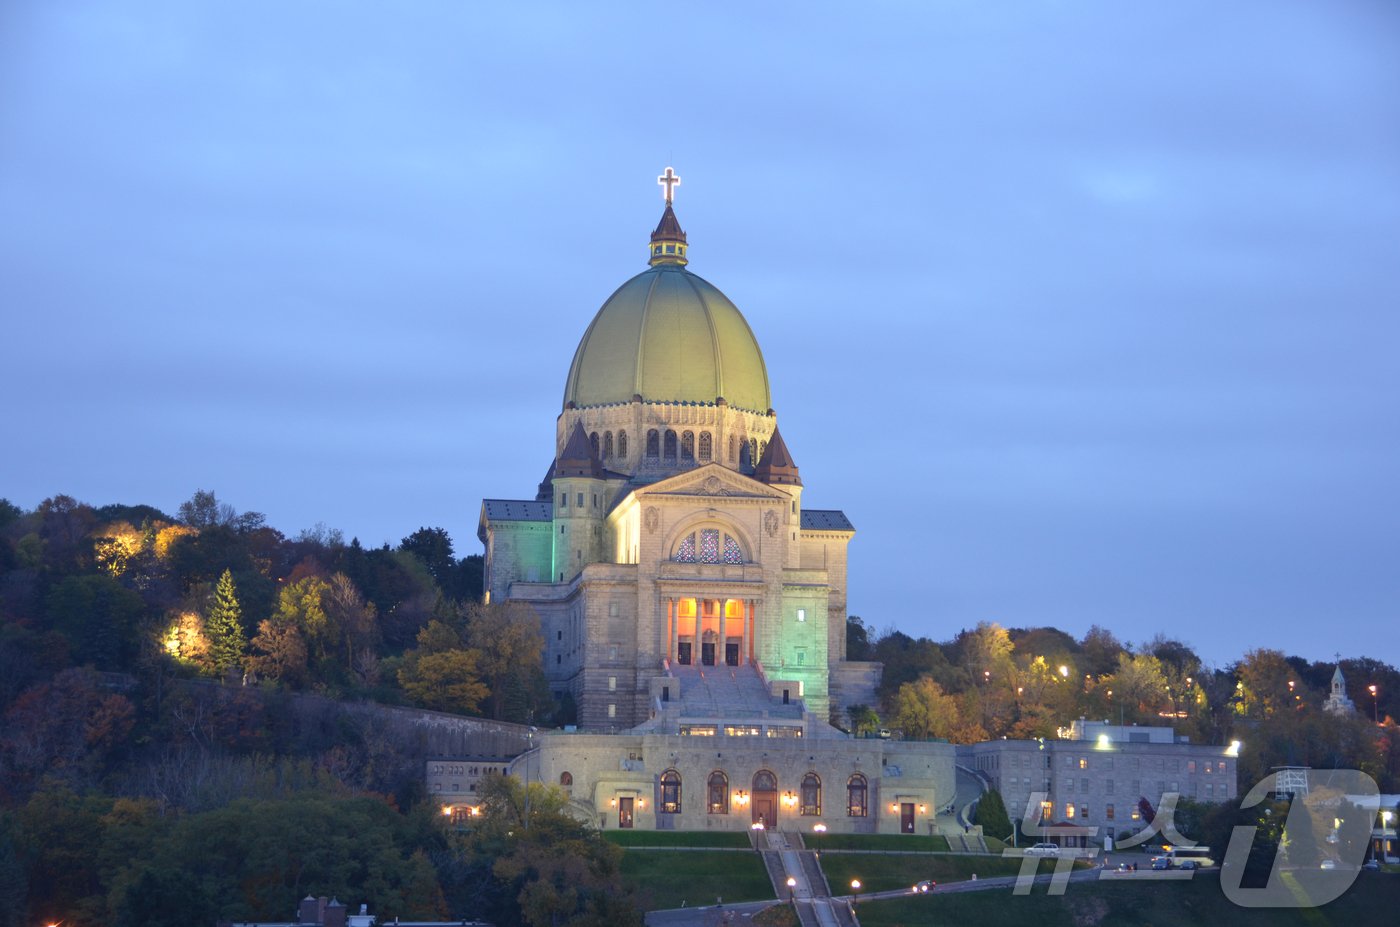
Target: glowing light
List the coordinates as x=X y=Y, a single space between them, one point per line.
x=1064 y=671
x=1104 y=742
x=669 y=180
x=447 y=811
x=1234 y=748
x=821 y=828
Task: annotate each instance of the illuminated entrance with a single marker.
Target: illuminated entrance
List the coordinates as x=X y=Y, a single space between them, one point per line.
x=765 y=799
x=710 y=632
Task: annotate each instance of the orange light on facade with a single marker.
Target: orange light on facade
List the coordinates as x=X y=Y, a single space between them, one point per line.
x=447 y=811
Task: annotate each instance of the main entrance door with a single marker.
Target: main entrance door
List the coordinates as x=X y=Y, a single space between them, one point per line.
x=906 y=817
x=707 y=653
x=731 y=653
x=765 y=799
x=624 y=813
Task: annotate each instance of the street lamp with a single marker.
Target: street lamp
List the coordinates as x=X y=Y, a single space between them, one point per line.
x=1375 y=705
x=792 y=890
x=855 y=891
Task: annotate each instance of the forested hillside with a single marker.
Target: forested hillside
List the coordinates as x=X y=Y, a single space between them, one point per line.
x=157 y=755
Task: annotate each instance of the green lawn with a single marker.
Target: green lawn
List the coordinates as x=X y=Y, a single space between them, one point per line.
x=1136 y=904
x=905 y=842
x=883 y=873
x=677 y=838
x=665 y=878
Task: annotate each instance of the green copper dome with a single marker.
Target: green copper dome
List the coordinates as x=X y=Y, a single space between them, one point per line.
x=668 y=335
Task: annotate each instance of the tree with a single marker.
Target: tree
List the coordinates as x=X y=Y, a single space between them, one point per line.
x=223 y=626
x=511 y=649
x=922 y=709
x=1100 y=651
x=445 y=681
x=1139 y=688
x=549 y=869
x=991 y=814
x=857 y=639
x=279 y=652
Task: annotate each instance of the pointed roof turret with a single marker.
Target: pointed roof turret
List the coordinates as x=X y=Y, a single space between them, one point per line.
x=577 y=458
x=775 y=464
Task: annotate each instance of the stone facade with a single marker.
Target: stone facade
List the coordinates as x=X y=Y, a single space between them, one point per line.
x=1097 y=777
x=717 y=782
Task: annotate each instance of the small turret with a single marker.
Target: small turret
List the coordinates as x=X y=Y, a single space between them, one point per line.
x=580 y=498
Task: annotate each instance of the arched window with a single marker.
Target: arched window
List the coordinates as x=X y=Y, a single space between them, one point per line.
x=593 y=442
x=765 y=781
x=566 y=779
x=811 y=795
x=733 y=454
x=857 y=797
x=670 y=792
x=670 y=445
x=607 y=445
x=622 y=444
x=718 y=802
x=706 y=446
x=753 y=451
x=762 y=449
x=709 y=545
x=688 y=445
x=653 y=444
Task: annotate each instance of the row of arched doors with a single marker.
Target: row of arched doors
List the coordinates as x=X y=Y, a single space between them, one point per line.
x=762 y=800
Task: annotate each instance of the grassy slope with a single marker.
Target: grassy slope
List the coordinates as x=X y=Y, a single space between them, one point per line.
x=1372 y=900
x=884 y=873
x=902 y=842
x=665 y=878
x=668 y=838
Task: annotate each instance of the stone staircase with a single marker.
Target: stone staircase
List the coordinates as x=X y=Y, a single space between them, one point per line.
x=727 y=692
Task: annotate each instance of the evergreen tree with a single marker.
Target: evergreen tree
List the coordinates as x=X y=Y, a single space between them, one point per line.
x=991 y=814
x=224 y=626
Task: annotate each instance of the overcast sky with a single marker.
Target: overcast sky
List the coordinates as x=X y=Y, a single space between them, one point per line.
x=1082 y=312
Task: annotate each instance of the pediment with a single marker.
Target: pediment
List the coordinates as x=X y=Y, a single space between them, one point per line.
x=713 y=480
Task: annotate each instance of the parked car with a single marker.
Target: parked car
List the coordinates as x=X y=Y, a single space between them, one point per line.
x=1371 y=864
x=1161 y=862
x=1043 y=849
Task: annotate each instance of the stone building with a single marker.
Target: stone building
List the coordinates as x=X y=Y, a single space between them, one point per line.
x=1098 y=774
x=693 y=606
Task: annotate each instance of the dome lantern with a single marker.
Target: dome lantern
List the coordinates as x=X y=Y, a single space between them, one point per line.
x=668 y=245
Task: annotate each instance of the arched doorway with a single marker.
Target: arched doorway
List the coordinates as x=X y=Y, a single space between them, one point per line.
x=765 y=798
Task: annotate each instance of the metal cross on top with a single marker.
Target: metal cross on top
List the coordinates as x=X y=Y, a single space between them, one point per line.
x=669 y=180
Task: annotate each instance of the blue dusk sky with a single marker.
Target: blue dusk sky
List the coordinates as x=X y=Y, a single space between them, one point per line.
x=1084 y=313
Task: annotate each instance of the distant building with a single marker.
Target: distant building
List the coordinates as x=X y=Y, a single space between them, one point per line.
x=452 y=782
x=1098 y=774
x=1337 y=701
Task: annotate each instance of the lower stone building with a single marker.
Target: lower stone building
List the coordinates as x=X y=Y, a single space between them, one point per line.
x=1098 y=775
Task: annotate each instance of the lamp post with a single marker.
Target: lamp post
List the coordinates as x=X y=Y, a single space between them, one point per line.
x=855 y=891
x=1375 y=705
x=792 y=890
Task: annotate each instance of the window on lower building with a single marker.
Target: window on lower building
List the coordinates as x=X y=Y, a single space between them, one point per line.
x=717 y=801
x=670 y=792
x=811 y=795
x=857 y=797
x=1108 y=812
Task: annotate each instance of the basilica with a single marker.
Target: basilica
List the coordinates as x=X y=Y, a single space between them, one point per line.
x=693 y=608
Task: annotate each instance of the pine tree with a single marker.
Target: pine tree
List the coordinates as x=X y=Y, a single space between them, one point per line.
x=991 y=814
x=224 y=626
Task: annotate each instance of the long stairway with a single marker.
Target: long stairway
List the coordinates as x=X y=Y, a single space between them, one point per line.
x=785 y=857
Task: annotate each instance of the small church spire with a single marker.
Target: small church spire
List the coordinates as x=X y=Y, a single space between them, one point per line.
x=668 y=245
